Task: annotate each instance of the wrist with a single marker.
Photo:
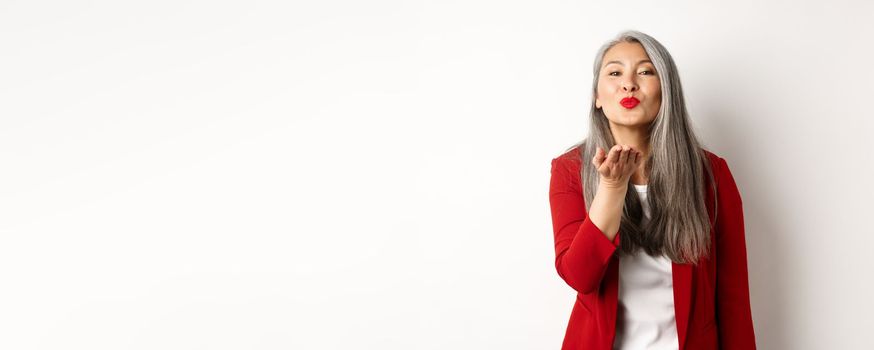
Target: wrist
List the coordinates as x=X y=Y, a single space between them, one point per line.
x=613 y=187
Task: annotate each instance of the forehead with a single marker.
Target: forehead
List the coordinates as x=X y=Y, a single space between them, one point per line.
x=625 y=53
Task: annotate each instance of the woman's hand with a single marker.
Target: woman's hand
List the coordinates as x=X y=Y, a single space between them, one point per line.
x=616 y=168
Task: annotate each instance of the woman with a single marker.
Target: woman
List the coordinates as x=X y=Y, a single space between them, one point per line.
x=648 y=225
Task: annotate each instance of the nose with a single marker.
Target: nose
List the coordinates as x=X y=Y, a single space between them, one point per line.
x=629 y=86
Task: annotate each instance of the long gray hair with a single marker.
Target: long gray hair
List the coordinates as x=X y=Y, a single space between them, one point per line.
x=680 y=225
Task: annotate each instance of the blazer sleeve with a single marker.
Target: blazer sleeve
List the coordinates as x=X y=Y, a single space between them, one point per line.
x=733 y=314
x=582 y=250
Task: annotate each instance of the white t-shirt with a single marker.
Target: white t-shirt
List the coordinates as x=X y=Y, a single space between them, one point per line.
x=645 y=318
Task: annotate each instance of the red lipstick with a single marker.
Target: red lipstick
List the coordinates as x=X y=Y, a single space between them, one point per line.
x=629 y=102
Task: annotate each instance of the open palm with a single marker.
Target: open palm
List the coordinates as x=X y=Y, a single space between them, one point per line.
x=616 y=167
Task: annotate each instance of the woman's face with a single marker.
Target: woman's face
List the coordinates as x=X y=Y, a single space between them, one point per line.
x=626 y=71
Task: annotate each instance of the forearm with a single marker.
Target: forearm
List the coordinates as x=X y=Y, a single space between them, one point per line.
x=582 y=250
x=606 y=209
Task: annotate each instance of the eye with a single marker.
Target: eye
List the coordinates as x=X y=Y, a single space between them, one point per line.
x=647 y=71
x=611 y=73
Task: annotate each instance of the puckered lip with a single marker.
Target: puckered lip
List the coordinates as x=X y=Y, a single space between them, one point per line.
x=629 y=102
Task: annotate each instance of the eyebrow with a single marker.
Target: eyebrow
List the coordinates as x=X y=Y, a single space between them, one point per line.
x=615 y=61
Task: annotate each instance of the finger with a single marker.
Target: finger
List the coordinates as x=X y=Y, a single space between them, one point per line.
x=614 y=155
x=632 y=157
x=623 y=155
x=598 y=158
x=607 y=160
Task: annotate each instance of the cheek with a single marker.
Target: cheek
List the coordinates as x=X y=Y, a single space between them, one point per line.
x=602 y=89
x=607 y=84
x=656 y=93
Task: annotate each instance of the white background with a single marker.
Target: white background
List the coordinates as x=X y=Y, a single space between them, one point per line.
x=374 y=175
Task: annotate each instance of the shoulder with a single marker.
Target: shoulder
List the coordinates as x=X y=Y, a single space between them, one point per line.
x=565 y=171
x=716 y=159
x=572 y=155
x=722 y=173
x=717 y=163
x=570 y=159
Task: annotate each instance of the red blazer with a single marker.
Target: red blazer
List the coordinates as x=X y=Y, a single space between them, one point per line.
x=711 y=300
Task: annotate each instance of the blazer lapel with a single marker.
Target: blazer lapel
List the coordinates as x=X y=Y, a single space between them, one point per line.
x=682 y=276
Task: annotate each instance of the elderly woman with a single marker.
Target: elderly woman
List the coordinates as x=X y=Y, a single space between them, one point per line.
x=648 y=225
